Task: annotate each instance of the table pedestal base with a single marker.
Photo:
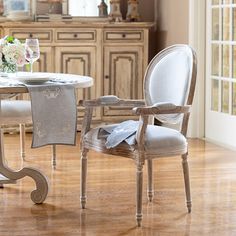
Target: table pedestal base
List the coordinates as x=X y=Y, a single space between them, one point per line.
x=4 y=180
x=9 y=176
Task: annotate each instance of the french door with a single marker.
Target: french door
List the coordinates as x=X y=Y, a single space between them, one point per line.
x=220 y=113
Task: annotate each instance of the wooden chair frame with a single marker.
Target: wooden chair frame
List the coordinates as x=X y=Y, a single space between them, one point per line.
x=138 y=153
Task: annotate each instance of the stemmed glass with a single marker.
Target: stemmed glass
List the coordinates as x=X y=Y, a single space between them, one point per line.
x=32 y=52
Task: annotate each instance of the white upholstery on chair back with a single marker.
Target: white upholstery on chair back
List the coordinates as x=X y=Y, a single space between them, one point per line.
x=15 y=112
x=168 y=78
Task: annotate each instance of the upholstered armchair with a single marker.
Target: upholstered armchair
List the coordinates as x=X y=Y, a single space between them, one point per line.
x=169 y=85
x=18 y=112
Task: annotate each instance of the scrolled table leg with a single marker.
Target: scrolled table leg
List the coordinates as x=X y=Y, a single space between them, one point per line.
x=40 y=193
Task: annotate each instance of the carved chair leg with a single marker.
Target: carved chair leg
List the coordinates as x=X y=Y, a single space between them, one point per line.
x=186 y=181
x=22 y=141
x=54 y=158
x=150 y=191
x=139 y=182
x=83 y=177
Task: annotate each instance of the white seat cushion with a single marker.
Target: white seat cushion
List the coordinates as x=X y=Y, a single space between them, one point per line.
x=15 y=112
x=159 y=142
x=162 y=141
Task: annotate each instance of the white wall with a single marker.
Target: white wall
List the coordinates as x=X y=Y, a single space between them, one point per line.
x=172 y=21
x=197 y=24
x=183 y=21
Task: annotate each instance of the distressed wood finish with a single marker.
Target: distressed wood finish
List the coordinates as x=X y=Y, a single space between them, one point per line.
x=161 y=108
x=90 y=140
x=124 y=76
x=79 y=60
x=102 y=50
x=111 y=100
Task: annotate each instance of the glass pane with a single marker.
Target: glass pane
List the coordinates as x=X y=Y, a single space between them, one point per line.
x=225 y=23
x=215 y=60
x=225 y=61
x=225 y=96
x=226 y=1
x=214 y=95
x=234 y=23
x=234 y=99
x=215 y=2
x=215 y=24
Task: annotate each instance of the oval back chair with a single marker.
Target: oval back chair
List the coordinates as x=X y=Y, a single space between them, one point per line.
x=169 y=85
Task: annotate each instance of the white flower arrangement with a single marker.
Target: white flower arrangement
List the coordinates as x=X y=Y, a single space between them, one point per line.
x=12 y=54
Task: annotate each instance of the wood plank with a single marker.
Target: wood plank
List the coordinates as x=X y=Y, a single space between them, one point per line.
x=111 y=194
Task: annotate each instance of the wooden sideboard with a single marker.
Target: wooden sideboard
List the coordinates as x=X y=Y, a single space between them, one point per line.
x=114 y=54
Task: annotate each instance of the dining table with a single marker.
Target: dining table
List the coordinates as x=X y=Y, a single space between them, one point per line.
x=16 y=84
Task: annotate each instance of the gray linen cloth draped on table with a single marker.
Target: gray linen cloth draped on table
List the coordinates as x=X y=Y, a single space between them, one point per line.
x=115 y=134
x=54 y=114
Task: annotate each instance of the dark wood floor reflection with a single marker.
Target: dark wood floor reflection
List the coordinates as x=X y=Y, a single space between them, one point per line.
x=111 y=199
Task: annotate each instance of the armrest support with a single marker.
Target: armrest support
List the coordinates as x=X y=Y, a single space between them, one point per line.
x=158 y=108
x=111 y=101
x=86 y=123
x=161 y=108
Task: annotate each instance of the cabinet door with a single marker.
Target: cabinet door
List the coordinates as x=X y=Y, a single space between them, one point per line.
x=79 y=60
x=123 y=76
x=45 y=62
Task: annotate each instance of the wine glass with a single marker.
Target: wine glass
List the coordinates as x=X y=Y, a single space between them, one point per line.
x=32 y=52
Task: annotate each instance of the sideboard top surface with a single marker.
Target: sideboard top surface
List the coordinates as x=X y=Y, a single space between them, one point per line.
x=82 y=24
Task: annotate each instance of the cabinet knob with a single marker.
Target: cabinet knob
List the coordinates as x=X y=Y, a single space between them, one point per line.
x=107 y=77
x=31 y=35
x=123 y=35
x=75 y=35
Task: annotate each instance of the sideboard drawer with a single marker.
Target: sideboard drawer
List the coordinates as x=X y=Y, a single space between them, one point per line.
x=134 y=36
x=22 y=34
x=75 y=35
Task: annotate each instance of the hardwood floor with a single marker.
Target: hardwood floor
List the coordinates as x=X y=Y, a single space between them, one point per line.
x=111 y=199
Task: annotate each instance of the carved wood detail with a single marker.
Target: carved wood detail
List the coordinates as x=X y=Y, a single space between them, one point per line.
x=32 y=33
x=78 y=61
x=123 y=80
x=75 y=35
x=87 y=48
x=124 y=35
x=42 y=62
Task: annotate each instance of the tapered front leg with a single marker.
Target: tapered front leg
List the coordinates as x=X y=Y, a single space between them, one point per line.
x=150 y=191
x=139 y=188
x=22 y=141
x=186 y=181
x=83 y=177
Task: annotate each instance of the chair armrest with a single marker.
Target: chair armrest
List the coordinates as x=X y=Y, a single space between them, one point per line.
x=161 y=108
x=111 y=101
